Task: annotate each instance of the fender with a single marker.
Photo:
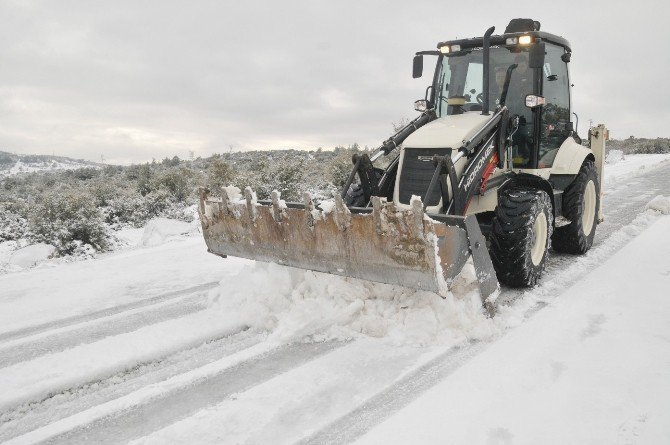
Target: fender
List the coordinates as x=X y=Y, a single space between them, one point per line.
x=570 y=158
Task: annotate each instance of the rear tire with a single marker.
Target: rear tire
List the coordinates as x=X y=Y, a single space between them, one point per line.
x=520 y=236
x=580 y=206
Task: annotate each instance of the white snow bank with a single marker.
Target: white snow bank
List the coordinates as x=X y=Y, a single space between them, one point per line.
x=161 y=230
x=30 y=256
x=129 y=236
x=294 y=304
x=660 y=204
x=6 y=250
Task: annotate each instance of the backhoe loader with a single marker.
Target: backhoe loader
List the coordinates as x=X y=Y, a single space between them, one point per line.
x=491 y=169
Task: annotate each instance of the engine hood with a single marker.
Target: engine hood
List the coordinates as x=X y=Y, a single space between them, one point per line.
x=447 y=131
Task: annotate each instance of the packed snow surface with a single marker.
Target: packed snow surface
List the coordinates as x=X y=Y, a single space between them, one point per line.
x=591 y=368
x=620 y=169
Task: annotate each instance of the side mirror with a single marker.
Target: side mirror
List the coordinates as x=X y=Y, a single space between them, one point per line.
x=417 y=66
x=536 y=55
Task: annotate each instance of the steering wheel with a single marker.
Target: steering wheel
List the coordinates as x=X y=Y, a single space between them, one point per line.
x=480 y=98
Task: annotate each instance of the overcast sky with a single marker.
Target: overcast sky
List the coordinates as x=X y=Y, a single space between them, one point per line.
x=136 y=80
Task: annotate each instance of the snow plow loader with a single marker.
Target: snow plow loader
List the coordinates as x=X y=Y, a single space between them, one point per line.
x=492 y=169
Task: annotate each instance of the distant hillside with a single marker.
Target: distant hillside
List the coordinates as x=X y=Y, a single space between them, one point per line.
x=14 y=164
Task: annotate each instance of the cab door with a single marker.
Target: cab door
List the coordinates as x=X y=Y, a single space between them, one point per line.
x=555 y=124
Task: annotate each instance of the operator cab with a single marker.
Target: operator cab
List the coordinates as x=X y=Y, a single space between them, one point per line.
x=538 y=67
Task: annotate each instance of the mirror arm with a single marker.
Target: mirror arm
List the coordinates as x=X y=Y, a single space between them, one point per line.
x=508 y=76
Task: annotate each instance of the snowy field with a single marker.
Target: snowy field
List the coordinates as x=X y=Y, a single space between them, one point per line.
x=162 y=342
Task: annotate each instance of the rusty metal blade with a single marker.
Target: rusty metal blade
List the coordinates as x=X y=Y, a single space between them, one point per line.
x=387 y=245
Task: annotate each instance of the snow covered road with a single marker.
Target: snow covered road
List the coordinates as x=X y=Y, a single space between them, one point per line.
x=169 y=344
x=592 y=368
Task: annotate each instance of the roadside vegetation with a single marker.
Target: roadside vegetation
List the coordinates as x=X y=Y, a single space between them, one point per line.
x=633 y=145
x=77 y=211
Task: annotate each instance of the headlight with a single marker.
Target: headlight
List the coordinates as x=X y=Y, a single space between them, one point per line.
x=525 y=40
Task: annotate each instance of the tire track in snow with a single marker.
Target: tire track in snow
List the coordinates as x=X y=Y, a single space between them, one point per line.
x=107 y=312
x=30 y=416
x=167 y=407
x=27 y=348
x=376 y=409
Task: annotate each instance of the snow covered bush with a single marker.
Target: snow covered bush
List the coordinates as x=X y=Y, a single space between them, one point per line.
x=176 y=182
x=286 y=174
x=219 y=174
x=340 y=168
x=162 y=203
x=13 y=224
x=69 y=220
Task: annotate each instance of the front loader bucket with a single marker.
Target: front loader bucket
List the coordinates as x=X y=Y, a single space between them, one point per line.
x=382 y=243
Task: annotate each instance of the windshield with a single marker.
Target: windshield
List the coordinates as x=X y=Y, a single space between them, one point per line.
x=459 y=81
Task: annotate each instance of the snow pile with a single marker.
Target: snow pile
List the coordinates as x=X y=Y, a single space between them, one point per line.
x=614 y=156
x=660 y=204
x=327 y=206
x=297 y=305
x=234 y=193
x=31 y=255
x=161 y=230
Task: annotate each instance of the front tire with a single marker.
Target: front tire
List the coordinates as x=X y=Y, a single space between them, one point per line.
x=581 y=201
x=520 y=236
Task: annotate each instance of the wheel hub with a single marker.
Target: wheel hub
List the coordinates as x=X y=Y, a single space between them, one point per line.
x=588 y=207
x=539 y=242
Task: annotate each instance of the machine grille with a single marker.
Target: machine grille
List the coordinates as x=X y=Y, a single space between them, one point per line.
x=417 y=171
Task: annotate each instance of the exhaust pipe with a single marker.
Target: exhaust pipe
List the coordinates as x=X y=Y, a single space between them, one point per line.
x=485 y=81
